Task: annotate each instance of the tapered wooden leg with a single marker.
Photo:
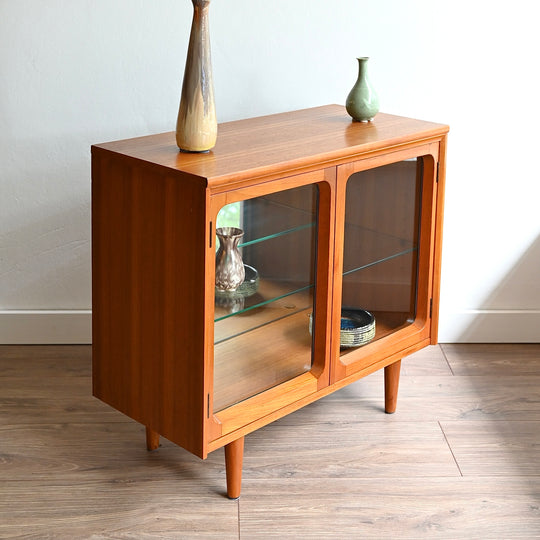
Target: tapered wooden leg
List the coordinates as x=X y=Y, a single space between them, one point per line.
x=391 y=385
x=234 y=456
x=152 y=439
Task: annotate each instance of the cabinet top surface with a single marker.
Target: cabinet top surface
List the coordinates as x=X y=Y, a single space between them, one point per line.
x=279 y=143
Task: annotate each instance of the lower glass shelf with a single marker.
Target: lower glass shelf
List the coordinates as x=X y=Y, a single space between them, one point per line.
x=273 y=301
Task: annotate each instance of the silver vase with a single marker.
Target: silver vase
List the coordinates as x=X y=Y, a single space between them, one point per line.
x=230 y=272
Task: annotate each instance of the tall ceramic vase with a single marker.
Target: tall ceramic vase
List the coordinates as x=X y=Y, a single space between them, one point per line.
x=230 y=271
x=362 y=102
x=196 y=128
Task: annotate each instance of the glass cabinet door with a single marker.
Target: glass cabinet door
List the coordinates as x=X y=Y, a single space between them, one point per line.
x=262 y=328
x=381 y=253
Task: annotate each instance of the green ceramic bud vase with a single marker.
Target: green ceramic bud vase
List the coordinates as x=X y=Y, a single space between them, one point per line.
x=362 y=102
x=196 y=127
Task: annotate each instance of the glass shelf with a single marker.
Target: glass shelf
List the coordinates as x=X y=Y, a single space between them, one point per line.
x=273 y=301
x=388 y=286
x=264 y=218
x=277 y=234
x=366 y=246
x=254 y=302
x=380 y=261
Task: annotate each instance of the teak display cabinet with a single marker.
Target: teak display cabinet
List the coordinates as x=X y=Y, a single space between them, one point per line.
x=338 y=217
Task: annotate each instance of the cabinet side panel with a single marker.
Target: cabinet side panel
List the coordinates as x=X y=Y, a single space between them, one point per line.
x=148 y=245
x=441 y=175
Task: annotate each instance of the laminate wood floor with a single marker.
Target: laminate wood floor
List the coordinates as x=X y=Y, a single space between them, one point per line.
x=460 y=458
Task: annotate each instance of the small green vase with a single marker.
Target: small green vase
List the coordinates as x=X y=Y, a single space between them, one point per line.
x=362 y=102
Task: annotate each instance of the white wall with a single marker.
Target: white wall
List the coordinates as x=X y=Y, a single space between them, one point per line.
x=77 y=72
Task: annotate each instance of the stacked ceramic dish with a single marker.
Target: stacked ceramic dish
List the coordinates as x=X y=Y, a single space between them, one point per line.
x=357 y=327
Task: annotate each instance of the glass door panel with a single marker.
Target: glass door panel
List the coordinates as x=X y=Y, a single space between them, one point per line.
x=380 y=259
x=261 y=330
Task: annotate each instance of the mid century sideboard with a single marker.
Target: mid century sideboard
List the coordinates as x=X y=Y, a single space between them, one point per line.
x=338 y=217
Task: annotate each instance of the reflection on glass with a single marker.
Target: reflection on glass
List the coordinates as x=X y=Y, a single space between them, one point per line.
x=381 y=244
x=261 y=330
x=230 y=216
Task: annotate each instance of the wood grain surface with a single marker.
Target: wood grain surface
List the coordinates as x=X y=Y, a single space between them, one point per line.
x=273 y=145
x=459 y=458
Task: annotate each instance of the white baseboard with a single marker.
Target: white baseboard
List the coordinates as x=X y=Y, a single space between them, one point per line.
x=490 y=326
x=34 y=327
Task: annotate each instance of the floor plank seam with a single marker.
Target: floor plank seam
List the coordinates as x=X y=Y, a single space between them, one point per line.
x=450 y=448
x=446 y=359
x=238 y=502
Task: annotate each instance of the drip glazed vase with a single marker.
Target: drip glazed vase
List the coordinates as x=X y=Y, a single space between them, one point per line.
x=362 y=102
x=196 y=127
x=230 y=271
